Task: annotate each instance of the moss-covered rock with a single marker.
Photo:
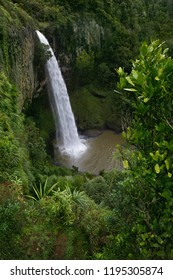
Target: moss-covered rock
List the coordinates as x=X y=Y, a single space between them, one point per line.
x=114 y=122
x=40 y=111
x=17 y=48
x=94 y=107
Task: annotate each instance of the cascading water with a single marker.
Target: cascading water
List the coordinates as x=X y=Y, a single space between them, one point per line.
x=66 y=131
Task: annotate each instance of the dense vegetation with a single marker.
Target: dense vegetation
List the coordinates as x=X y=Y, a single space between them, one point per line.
x=48 y=211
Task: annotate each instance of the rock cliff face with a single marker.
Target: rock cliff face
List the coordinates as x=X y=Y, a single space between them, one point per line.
x=22 y=67
x=17 y=49
x=88 y=33
x=82 y=33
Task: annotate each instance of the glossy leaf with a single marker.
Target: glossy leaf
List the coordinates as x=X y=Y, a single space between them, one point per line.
x=157 y=168
x=167 y=164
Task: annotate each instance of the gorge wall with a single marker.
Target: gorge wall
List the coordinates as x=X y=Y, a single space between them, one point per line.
x=89 y=39
x=17 y=48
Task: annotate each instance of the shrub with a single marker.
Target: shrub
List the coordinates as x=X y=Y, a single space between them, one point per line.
x=10 y=230
x=146 y=233
x=96 y=188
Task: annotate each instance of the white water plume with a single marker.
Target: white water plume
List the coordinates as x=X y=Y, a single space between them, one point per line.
x=67 y=136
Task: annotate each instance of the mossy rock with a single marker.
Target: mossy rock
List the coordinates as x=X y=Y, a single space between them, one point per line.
x=114 y=123
x=92 y=111
x=40 y=111
x=87 y=110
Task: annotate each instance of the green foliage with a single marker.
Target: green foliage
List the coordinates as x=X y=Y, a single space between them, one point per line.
x=10 y=229
x=96 y=188
x=36 y=148
x=42 y=191
x=66 y=203
x=87 y=98
x=67 y=212
x=11 y=220
x=149 y=87
x=8 y=95
x=39 y=112
x=77 y=244
x=38 y=234
x=12 y=149
x=95 y=222
x=42 y=54
x=148 y=183
x=85 y=66
x=105 y=74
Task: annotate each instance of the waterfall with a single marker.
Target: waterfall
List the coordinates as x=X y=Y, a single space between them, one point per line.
x=66 y=131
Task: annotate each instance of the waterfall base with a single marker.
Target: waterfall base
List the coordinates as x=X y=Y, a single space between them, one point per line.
x=98 y=154
x=73 y=151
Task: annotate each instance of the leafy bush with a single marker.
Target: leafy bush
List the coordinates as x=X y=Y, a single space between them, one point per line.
x=10 y=230
x=147 y=231
x=95 y=222
x=13 y=152
x=42 y=54
x=96 y=188
x=36 y=148
x=42 y=191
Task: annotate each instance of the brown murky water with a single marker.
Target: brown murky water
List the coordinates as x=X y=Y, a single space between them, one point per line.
x=98 y=156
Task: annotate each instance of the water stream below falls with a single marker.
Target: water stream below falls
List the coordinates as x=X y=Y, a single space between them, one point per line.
x=98 y=156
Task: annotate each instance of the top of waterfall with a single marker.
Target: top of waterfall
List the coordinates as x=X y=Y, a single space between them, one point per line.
x=42 y=38
x=44 y=41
